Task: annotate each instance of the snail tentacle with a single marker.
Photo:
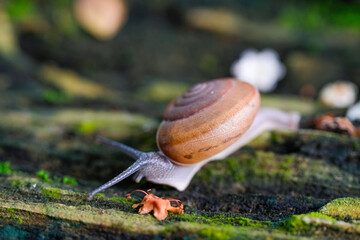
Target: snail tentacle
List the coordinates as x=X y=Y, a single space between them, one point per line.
x=147 y=164
x=136 y=166
x=131 y=152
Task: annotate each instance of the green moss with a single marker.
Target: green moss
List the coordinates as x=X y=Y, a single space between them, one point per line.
x=342 y=208
x=184 y=217
x=296 y=223
x=285 y=164
x=124 y=200
x=5 y=168
x=268 y=137
x=242 y=221
x=10 y=210
x=260 y=166
x=319 y=215
x=12 y=214
x=69 y=180
x=99 y=195
x=51 y=192
x=236 y=221
x=222 y=219
x=215 y=233
x=44 y=175
x=211 y=227
x=276 y=137
x=87 y=127
x=233 y=166
x=267 y=165
x=16 y=183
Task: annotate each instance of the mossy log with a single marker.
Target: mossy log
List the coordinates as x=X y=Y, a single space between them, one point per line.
x=282 y=185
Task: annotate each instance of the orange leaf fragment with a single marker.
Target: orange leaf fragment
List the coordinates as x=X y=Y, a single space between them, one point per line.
x=328 y=122
x=159 y=206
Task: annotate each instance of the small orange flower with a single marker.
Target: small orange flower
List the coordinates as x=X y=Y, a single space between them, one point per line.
x=160 y=206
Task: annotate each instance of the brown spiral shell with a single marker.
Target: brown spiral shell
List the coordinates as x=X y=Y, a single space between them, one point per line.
x=207 y=119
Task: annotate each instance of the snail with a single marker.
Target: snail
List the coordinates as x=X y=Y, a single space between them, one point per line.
x=208 y=122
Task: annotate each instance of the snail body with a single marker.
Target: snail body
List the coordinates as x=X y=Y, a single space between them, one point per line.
x=208 y=122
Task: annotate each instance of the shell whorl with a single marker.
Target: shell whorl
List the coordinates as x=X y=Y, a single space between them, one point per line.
x=206 y=119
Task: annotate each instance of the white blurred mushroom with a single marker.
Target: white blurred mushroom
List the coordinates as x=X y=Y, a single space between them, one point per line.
x=262 y=69
x=340 y=94
x=353 y=113
x=101 y=18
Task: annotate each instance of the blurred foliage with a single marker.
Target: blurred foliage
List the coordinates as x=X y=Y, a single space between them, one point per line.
x=162 y=90
x=312 y=15
x=54 y=96
x=21 y=9
x=87 y=127
x=158 y=42
x=69 y=180
x=39 y=15
x=72 y=84
x=306 y=15
x=44 y=175
x=5 y=167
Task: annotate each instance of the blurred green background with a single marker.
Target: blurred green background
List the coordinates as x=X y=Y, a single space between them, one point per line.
x=166 y=42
